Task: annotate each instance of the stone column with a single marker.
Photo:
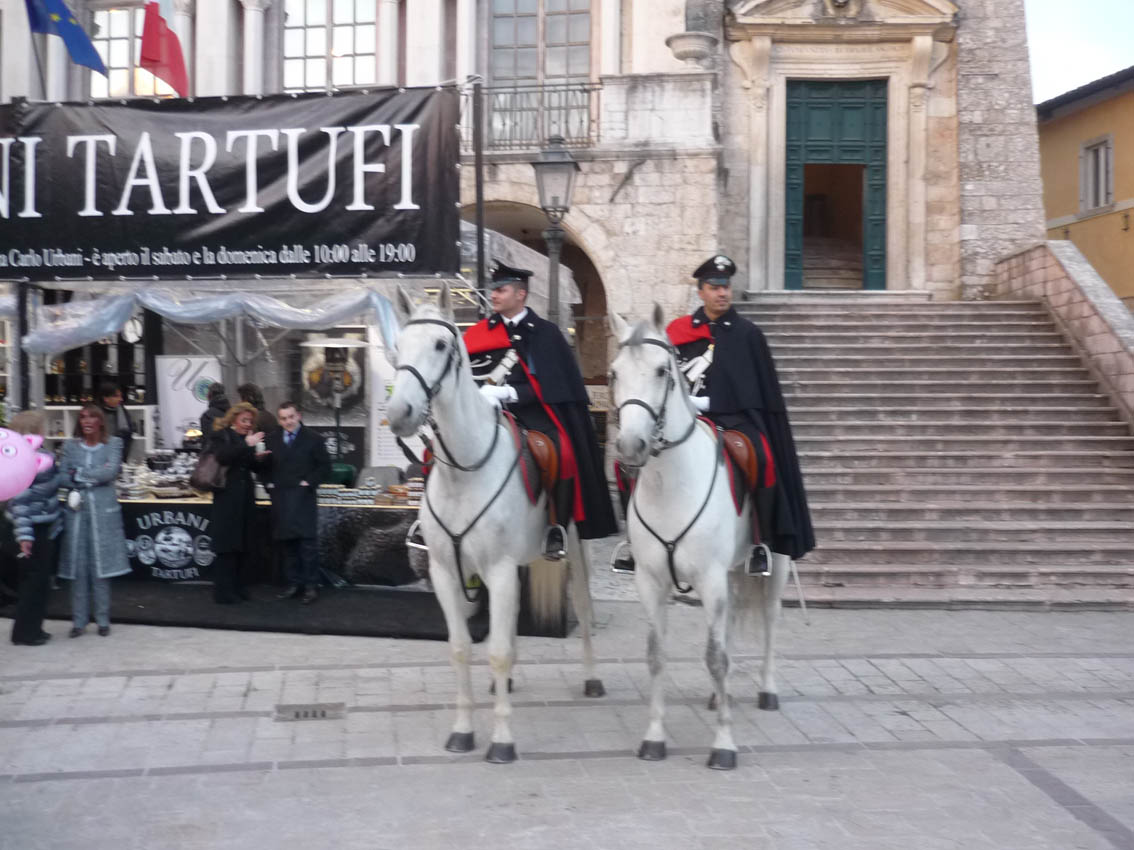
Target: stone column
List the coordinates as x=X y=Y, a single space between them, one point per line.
x=466 y=39
x=425 y=42
x=753 y=57
x=611 y=34
x=217 y=50
x=388 y=42
x=183 y=27
x=254 y=45
x=57 y=63
x=921 y=50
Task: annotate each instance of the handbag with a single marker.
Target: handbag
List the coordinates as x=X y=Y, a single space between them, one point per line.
x=209 y=474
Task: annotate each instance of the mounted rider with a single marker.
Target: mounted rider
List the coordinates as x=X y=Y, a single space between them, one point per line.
x=733 y=382
x=524 y=364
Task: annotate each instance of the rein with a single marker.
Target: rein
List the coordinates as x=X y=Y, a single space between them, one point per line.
x=671 y=545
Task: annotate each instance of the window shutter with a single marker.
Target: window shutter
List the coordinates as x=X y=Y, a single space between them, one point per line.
x=1109 y=179
x=1084 y=178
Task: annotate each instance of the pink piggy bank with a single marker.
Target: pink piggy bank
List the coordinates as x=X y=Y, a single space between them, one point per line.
x=19 y=462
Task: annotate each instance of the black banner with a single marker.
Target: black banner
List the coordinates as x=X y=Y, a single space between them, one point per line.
x=306 y=185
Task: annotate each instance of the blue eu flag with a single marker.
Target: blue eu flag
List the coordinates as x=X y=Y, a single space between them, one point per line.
x=54 y=18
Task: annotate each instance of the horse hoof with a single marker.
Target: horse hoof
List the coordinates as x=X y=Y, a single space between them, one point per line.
x=501 y=754
x=652 y=751
x=492 y=687
x=768 y=701
x=712 y=702
x=461 y=742
x=722 y=759
x=593 y=688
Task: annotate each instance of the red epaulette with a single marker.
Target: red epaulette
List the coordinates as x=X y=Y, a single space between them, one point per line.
x=682 y=330
x=480 y=337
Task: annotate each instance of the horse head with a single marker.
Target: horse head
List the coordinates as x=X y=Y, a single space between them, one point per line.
x=428 y=359
x=642 y=378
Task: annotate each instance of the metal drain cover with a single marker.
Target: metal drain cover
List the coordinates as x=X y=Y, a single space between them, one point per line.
x=311 y=711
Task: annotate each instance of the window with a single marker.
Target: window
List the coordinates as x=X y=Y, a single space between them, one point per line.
x=329 y=44
x=541 y=41
x=117 y=36
x=1096 y=174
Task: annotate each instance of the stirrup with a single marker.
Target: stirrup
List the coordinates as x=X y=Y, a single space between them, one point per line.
x=414 y=540
x=762 y=564
x=615 y=559
x=560 y=553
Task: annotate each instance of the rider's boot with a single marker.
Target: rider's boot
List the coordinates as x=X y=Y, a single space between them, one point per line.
x=560 y=503
x=759 y=560
x=622 y=560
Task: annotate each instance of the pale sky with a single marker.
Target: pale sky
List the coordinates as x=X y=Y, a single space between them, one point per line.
x=1073 y=42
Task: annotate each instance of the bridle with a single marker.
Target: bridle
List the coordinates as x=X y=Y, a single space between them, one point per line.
x=431 y=390
x=658 y=442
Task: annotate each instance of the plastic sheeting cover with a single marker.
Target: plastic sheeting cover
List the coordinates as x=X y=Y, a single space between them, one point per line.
x=83 y=322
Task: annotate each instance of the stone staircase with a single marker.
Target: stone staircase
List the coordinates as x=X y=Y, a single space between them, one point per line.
x=831 y=263
x=953 y=452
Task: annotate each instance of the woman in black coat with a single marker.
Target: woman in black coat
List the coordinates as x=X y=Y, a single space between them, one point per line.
x=233 y=441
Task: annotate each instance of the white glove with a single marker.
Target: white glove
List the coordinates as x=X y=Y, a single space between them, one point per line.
x=701 y=402
x=499 y=396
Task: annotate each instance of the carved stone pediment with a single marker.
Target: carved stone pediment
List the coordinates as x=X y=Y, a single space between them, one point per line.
x=823 y=11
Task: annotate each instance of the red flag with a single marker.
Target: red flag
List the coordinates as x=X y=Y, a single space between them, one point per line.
x=161 y=50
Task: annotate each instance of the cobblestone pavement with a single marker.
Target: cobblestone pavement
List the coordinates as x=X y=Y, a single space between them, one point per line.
x=899 y=729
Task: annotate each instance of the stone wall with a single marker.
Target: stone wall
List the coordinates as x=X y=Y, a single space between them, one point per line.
x=1001 y=190
x=1087 y=310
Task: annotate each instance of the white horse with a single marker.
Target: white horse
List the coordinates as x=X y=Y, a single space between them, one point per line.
x=683 y=527
x=476 y=516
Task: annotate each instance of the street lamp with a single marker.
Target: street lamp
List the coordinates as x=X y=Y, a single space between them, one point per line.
x=555 y=173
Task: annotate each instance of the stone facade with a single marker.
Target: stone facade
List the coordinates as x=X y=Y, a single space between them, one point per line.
x=1084 y=307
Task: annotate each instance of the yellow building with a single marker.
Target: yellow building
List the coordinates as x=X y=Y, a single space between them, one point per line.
x=1087 y=153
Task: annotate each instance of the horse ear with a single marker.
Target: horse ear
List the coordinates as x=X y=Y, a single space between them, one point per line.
x=445 y=301
x=403 y=304
x=658 y=318
x=618 y=325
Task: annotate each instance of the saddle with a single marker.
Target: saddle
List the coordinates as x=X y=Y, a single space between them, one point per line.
x=742 y=453
x=545 y=456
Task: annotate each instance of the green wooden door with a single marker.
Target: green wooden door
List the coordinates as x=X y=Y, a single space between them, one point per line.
x=837 y=122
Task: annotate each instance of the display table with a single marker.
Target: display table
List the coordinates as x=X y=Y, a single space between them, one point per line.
x=168 y=542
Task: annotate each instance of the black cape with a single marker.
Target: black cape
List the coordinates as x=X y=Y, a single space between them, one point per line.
x=744 y=388
x=559 y=391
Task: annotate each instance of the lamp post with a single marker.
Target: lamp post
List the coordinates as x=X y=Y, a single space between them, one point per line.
x=555 y=173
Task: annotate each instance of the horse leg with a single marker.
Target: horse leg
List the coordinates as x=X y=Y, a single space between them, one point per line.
x=503 y=605
x=580 y=568
x=448 y=591
x=715 y=596
x=653 y=590
x=773 y=589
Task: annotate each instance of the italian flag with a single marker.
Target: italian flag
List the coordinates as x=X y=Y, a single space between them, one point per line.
x=161 y=49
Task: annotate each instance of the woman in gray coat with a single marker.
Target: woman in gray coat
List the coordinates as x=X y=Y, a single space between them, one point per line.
x=94 y=544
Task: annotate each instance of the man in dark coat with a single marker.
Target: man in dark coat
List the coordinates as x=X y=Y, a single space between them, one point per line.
x=119 y=423
x=523 y=362
x=296 y=465
x=218 y=406
x=733 y=381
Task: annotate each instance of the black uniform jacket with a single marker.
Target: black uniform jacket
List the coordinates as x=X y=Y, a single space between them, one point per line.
x=552 y=399
x=744 y=393
x=233 y=505
x=294 y=507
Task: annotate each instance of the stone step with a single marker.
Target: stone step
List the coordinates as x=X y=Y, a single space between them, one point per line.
x=1000 y=511
x=886 y=372
x=814 y=460
x=784 y=349
x=880 y=335
x=975 y=576
x=960 y=477
x=882 y=416
x=794 y=361
x=948 y=533
x=841 y=267
x=955 y=400
x=816 y=281
x=984 y=553
x=778 y=327
x=973 y=428
x=926 y=496
x=1047 y=598
x=995 y=311
x=891 y=444
x=1004 y=388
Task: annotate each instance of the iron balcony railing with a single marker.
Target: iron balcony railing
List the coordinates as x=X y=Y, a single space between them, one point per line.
x=521 y=118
